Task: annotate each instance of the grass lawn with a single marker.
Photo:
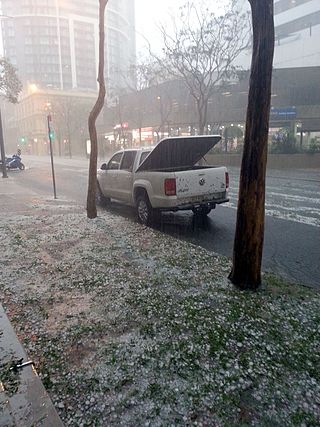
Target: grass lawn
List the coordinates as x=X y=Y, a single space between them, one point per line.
x=131 y=327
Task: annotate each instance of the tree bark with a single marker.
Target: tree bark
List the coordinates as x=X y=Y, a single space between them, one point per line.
x=59 y=145
x=69 y=144
x=92 y=185
x=248 y=243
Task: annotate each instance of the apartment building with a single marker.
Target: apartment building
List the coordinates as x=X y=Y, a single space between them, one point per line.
x=54 y=43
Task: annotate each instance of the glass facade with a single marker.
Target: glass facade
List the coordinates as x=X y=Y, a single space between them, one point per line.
x=54 y=43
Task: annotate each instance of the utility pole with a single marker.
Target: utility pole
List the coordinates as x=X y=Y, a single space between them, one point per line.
x=3 y=152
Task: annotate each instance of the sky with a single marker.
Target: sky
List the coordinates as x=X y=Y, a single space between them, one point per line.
x=149 y=13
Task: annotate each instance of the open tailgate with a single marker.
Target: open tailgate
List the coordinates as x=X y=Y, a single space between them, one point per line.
x=179 y=152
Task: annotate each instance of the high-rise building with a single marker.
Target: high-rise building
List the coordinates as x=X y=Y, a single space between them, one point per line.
x=54 y=43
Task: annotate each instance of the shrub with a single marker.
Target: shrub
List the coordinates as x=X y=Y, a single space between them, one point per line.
x=314 y=146
x=284 y=142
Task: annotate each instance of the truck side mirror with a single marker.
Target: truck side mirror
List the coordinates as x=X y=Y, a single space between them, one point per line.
x=103 y=166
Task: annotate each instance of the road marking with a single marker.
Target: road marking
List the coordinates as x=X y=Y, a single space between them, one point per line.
x=286 y=196
x=288 y=216
x=296 y=198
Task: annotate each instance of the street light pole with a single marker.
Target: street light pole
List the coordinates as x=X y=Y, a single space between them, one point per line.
x=3 y=153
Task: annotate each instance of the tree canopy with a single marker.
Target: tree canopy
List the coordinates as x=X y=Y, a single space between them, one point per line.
x=10 y=85
x=202 y=49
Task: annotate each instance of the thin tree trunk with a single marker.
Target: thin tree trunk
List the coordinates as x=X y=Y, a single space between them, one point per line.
x=202 y=123
x=226 y=140
x=2 y=149
x=202 y=116
x=248 y=243
x=92 y=186
x=69 y=144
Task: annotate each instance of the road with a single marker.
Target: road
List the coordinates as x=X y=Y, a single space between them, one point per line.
x=292 y=231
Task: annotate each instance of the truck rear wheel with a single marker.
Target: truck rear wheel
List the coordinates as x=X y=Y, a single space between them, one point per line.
x=101 y=200
x=204 y=211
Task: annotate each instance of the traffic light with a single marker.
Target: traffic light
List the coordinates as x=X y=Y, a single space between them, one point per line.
x=51 y=134
x=23 y=140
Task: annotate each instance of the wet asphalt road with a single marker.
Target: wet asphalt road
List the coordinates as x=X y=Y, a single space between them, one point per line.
x=292 y=231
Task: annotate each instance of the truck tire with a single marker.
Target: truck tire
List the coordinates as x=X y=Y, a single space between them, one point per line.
x=145 y=212
x=203 y=212
x=101 y=200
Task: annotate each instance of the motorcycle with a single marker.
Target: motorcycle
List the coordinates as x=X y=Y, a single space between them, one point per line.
x=14 y=162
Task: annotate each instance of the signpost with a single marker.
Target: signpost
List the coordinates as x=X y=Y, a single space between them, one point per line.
x=50 y=134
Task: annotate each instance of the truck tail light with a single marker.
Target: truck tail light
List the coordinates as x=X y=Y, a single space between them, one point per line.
x=170 y=187
x=227 y=179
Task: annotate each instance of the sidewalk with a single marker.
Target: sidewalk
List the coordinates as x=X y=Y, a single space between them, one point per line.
x=128 y=326
x=23 y=399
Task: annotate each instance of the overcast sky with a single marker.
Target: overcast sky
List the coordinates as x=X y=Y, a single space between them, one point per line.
x=149 y=13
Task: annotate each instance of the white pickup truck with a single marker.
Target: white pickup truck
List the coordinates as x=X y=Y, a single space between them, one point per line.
x=164 y=178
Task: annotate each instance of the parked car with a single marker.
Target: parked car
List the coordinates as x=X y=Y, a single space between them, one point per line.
x=165 y=178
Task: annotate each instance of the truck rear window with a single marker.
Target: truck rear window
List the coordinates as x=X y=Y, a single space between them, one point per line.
x=128 y=159
x=144 y=155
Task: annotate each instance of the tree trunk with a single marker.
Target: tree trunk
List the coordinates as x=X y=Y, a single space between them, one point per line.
x=248 y=243
x=92 y=186
x=3 y=153
x=59 y=145
x=69 y=144
x=226 y=140
x=202 y=107
x=201 y=124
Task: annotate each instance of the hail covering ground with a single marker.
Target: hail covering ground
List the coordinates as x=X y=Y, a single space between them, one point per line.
x=128 y=326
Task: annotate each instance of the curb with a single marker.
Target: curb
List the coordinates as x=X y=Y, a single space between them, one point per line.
x=30 y=404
